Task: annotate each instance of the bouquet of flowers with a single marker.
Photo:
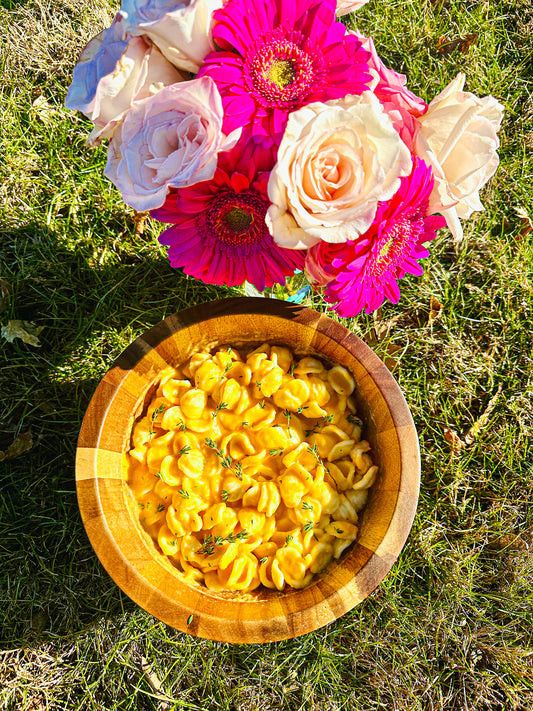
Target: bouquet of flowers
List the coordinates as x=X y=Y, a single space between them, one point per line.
x=272 y=139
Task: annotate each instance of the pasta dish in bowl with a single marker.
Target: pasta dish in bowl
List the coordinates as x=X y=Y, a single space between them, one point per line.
x=248 y=470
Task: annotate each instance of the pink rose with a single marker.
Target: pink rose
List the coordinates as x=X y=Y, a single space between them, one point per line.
x=171 y=139
x=111 y=74
x=346 y=6
x=336 y=161
x=404 y=123
x=388 y=85
x=181 y=29
x=458 y=138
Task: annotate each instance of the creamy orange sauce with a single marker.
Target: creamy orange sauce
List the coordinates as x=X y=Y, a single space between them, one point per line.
x=250 y=470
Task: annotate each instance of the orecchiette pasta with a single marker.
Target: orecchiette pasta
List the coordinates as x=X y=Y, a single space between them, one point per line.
x=251 y=470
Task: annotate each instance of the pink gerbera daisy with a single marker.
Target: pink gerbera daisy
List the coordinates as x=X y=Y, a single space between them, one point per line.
x=362 y=273
x=219 y=234
x=278 y=55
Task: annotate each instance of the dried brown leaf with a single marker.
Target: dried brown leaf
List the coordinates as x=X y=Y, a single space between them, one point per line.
x=36 y=704
x=445 y=46
x=435 y=309
x=25 y=330
x=383 y=327
x=44 y=111
x=22 y=443
x=453 y=439
x=526 y=225
x=139 y=219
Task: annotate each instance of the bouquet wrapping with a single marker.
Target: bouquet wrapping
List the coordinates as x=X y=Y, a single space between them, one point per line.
x=273 y=139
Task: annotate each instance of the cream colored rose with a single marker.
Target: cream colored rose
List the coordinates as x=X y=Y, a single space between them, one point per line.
x=336 y=161
x=346 y=6
x=181 y=29
x=113 y=73
x=458 y=138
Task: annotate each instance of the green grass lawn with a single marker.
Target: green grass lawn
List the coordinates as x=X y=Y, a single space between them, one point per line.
x=451 y=625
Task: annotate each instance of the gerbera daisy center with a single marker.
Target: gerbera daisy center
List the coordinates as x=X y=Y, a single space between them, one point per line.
x=386 y=248
x=394 y=246
x=281 y=73
x=238 y=220
x=282 y=68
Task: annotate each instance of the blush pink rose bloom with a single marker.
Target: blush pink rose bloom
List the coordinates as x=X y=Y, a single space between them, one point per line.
x=388 y=85
x=171 y=139
x=399 y=102
x=337 y=160
x=180 y=29
x=111 y=74
x=458 y=138
x=346 y=6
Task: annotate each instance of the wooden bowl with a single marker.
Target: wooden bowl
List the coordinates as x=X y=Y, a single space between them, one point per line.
x=110 y=514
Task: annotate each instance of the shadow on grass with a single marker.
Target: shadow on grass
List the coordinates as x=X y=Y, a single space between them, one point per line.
x=52 y=583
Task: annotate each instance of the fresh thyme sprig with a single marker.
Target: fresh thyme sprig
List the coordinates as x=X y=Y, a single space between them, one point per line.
x=314 y=451
x=184 y=450
x=230 y=365
x=225 y=460
x=158 y=410
x=288 y=415
x=354 y=420
x=220 y=406
x=209 y=543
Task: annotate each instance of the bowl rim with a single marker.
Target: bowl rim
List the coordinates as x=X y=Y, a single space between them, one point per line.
x=327 y=602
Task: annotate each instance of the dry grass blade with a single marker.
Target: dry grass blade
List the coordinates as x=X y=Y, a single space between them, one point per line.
x=155 y=684
x=482 y=421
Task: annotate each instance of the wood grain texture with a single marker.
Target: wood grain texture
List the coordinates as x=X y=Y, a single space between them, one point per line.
x=109 y=512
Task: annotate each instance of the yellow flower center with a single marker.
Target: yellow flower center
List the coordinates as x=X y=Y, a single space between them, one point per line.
x=386 y=248
x=281 y=73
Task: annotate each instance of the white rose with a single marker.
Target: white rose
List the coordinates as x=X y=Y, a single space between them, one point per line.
x=336 y=161
x=111 y=74
x=171 y=139
x=181 y=29
x=458 y=138
x=346 y=6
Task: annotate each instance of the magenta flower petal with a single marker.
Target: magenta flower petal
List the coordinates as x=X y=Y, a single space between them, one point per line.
x=364 y=272
x=219 y=234
x=283 y=55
